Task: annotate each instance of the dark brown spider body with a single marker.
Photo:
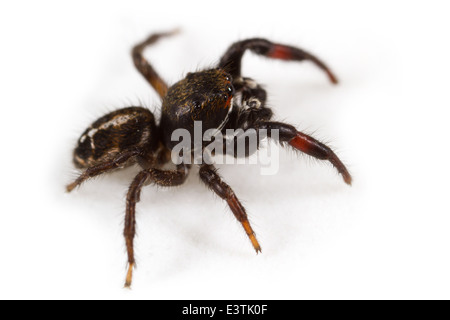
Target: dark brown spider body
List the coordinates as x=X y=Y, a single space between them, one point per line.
x=204 y=96
x=122 y=130
x=217 y=99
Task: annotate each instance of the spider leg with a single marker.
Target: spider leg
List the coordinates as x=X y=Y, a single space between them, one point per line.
x=211 y=178
x=95 y=170
x=144 y=66
x=231 y=60
x=166 y=178
x=257 y=116
x=305 y=144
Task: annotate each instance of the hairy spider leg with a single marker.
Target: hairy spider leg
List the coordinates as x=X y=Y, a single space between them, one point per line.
x=144 y=66
x=211 y=178
x=119 y=160
x=305 y=144
x=231 y=60
x=257 y=117
x=165 y=178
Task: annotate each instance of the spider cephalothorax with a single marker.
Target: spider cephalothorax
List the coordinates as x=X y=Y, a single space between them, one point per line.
x=219 y=99
x=204 y=96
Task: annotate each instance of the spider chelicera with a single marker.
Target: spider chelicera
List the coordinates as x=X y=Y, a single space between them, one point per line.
x=221 y=99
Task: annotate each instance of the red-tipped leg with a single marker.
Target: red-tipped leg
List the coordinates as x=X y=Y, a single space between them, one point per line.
x=232 y=59
x=318 y=150
x=283 y=52
x=305 y=144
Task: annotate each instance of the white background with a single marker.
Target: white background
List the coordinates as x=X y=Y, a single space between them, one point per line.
x=64 y=65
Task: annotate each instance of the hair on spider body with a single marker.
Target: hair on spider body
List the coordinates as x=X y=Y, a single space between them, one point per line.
x=204 y=96
x=116 y=132
x=221 y=99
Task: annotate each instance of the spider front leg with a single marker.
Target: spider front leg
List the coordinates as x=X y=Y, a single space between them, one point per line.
x=165 y=178
x=231 y=60
x=211 y=178
x=305 y=144
x=253 y=114
x=144 y=66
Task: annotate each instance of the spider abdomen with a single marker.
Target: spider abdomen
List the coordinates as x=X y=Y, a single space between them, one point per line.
x=118 y=131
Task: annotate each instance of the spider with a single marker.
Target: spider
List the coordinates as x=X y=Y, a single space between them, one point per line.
x=220 y=98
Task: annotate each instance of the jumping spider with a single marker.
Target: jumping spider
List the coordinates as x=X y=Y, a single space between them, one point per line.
x=221 y=98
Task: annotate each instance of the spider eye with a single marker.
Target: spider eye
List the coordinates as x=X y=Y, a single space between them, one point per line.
x=228 y=78
x=225 y=97
x=197 y=105
x=229 y=89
